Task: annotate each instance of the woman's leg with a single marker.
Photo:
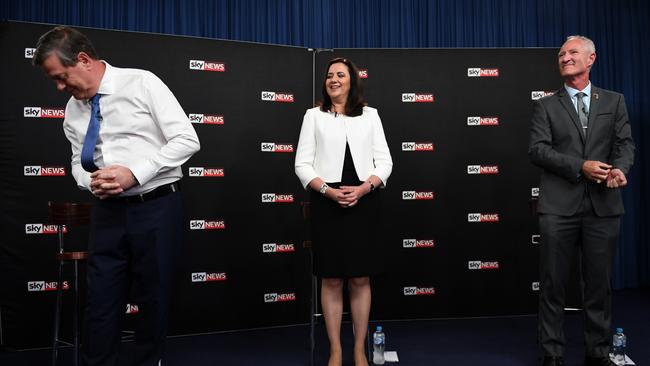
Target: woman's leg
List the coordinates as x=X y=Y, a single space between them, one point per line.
x=360 y=306
x=332 y=302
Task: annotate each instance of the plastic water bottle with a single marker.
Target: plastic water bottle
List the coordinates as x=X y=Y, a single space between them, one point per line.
x=379 y=344
x=618 y=346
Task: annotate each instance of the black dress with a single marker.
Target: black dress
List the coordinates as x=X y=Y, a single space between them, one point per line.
x=345 y=239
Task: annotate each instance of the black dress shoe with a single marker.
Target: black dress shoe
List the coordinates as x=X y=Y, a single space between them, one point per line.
x=598 y=361
x=553 y=361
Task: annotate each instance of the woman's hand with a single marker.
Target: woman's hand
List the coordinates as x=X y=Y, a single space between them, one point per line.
x=352 y=194
x=335 y=195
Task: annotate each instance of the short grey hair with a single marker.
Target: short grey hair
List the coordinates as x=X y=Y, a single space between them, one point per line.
x=588 y=42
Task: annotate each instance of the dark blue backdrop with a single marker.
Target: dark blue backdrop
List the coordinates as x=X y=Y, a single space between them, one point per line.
x=620 y=29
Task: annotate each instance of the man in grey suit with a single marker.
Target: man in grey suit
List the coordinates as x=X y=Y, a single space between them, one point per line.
x=581 y=138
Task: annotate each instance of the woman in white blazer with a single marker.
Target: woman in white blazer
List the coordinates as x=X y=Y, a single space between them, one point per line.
x=342 y=157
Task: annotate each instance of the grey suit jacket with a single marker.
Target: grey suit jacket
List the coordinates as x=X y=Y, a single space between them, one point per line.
x=558 y=146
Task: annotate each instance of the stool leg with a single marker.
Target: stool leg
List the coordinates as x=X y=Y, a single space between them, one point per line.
x=57 y=315
x=75 y=316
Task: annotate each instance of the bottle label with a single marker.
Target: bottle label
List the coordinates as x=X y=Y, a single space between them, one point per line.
x=377 y=339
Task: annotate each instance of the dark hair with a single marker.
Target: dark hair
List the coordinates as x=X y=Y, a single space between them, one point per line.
x=66 y=42
x=355 y=103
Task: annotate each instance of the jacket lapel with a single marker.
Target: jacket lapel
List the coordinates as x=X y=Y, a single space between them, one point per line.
x=566 y=102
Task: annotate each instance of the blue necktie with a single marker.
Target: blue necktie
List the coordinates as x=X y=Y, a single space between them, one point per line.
x=88 y=150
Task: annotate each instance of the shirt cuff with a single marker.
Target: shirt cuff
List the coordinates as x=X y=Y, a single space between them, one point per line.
x=142 y=171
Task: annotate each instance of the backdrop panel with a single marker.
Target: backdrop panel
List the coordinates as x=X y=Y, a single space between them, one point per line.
x=227 y=277
x=459 y=206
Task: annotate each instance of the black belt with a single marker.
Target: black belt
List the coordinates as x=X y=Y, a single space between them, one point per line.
x=156 y=193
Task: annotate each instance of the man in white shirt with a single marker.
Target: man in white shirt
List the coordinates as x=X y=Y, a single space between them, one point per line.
x=129 y=138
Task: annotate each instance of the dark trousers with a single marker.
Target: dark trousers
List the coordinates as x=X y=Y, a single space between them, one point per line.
x=594 y=239
x=131 y=243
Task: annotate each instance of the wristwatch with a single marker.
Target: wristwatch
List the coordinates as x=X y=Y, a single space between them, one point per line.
x=372 y=186
x=323 y=188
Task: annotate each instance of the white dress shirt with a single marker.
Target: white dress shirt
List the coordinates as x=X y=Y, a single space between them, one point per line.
x=321 y=147
x=586 y=99
x=143 y=128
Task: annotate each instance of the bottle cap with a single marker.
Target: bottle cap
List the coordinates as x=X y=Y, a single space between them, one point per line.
x=379 y=328
x=619 y=330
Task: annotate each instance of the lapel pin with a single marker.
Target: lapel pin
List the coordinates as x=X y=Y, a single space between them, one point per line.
x=596 y=95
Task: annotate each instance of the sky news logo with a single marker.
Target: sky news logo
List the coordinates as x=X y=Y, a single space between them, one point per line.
x=539 y=94
x=208 y=277
x=44 y=229
x=280 y=97
x=534 y=286
x=363 y=73
x=199 y=171
x=276 y=147
x=414 y=291
x=479 y=265
x=37 y=286
x=278 y=248
x=207 y=65
x=29 y=52
x=481 y=217
x=418 y=243
x=206 y=119
x=482 y=169
x=276 y=297
x=482 y=121
x=417 y=98
x=477 y=72
x=43 y=171
x=207 y=225
x=535 y=238
x=534 y=192
x=417 y=146
x=416 y=195
x=42 y=112
x=132 y=309
x=276 y=198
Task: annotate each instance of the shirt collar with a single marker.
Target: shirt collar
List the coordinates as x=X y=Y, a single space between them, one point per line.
x=107 y=85
x=572 y=92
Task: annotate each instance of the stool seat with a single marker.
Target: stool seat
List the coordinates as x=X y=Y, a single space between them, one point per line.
x=72 y=256
x=69 y=213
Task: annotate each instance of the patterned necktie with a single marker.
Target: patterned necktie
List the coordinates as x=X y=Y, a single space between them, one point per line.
x=582 y=112
x=88 y=150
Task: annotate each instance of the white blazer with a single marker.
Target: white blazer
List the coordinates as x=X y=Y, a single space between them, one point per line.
x=321 y=147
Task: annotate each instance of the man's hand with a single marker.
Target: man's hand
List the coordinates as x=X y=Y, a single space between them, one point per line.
x=616 y=178
x=111 y=181
x=596 y=170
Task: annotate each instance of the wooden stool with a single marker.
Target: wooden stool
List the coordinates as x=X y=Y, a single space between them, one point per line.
x=67 y=214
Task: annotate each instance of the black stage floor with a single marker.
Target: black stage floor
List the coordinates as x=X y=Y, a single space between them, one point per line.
x=502 y=341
